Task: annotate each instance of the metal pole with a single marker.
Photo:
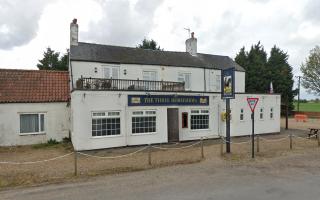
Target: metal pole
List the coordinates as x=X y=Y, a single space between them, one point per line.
x=75 y=163
x=318 y=137
x=290 y=140
x=221 y=146
x=202 y=153
x=258 y=143
x=299 y=77
x=149 y=154
x=252 y=136
x=228 y=139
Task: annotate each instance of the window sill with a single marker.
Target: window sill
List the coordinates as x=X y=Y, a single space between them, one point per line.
x=141 y=134
x=36 y=133
x=105 y=136
x=194 y=130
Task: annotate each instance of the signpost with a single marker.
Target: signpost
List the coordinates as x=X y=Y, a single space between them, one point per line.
x=227 y=93
x=252 y=102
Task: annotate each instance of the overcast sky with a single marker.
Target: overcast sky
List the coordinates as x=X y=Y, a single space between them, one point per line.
x=27 y=27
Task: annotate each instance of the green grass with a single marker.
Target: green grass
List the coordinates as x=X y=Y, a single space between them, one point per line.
x=307 y=107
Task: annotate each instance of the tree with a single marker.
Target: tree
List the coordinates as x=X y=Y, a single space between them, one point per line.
x=280 y=73
x=311 y=72
x=52 y=61
x=149 y=44
x=261 y=70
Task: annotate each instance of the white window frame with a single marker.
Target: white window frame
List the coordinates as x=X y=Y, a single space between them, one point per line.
x=147 y=73
x=107 y=115
x=39 y=123
x=111 y=69
x=143 y=113
x=261 y=112
x=199 y=111
x=241 y=114
x=182 y=78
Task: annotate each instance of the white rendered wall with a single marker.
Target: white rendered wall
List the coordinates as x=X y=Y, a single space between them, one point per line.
x=199 y=76
x=85 y=102
x=57 y=122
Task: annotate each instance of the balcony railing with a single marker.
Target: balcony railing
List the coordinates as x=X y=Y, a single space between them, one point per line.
x=125 y=84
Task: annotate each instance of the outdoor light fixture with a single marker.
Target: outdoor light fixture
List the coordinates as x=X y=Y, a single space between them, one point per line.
x=95 y=70
x=125 y=71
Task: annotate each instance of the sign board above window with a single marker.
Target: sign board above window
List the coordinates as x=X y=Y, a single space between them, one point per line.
x=167 y=100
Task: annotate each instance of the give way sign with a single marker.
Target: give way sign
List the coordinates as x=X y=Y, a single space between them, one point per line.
x=252 y=103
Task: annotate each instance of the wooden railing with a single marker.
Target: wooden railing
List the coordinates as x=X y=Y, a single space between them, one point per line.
x=125 y=84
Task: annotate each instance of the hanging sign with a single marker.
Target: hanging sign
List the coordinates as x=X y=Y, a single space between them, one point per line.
x=227 y=83
x=252 y=102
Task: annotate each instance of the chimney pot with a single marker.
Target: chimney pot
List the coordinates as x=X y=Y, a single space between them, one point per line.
x=192 y=35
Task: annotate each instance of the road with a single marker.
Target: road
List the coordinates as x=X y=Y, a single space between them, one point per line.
x=293 y=178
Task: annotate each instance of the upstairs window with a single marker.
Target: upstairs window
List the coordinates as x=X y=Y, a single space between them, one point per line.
x=218 y=83
x=110 y=72
x=32 y=123
x=150 y=75
x=186 y=79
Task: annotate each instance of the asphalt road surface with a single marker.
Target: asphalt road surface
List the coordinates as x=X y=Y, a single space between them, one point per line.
x=296 y=178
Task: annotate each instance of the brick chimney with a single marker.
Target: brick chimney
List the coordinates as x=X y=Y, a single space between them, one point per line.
x=74 y=32
x=191 y=45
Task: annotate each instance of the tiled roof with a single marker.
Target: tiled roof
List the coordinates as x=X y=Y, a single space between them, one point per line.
x=32 y=86
x=129 y=55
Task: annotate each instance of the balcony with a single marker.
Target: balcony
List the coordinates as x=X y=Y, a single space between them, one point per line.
x=127 y=85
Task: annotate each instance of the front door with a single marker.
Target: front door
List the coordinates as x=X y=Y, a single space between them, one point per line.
x=173 y=124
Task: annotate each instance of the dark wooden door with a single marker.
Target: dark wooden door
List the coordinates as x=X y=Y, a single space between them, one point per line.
x=173 y=124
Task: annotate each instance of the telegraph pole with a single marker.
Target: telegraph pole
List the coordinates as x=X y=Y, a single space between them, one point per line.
x=299 y=77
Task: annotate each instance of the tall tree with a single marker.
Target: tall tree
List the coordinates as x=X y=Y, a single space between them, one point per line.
x=311 y=72
x=261 y=70
x=280 y=73
x=149 y=44
x=51 y=60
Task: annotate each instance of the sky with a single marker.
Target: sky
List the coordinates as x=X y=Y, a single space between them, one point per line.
x=28 y=27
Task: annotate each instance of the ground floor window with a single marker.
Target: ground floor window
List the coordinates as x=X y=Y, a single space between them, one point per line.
x=199 y=119
x=144 y=121
x=32 y=123
x=105 y=123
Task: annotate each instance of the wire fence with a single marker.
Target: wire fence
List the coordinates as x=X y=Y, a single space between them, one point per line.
x=149 y=150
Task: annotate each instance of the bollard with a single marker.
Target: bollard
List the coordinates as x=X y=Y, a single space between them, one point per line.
x=149 y=154
x=318 y=137
x=202 y=153
x=75 y=163
x=290 y=140
x=221 y=146
x=258 y=143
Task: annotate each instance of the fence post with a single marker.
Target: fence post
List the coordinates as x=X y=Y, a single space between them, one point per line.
x=75 y=163
x=258 y=143
x=202 y=153
x=318 y=137
x=290 y=140
x=149 y=154
x=221 y=145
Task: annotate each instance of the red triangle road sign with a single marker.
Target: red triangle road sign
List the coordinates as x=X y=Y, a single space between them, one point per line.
x=252 y=102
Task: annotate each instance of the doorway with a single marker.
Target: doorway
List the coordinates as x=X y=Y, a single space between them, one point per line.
x=173 y=124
